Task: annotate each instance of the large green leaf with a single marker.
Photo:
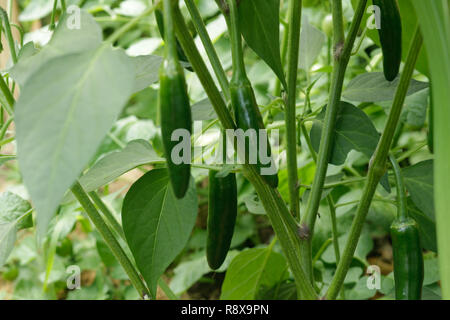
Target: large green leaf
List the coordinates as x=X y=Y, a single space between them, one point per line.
x=251 y=272
x=353 y=131
x=419 y=182
x=157 y=225
x=115 y=164
x=260 y=26
x=14 y=215
x=426 y=225
x=62 y=115
x=373 y=87
x=65 y=40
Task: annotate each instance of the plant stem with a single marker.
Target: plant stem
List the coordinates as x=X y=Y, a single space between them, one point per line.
x=342 y=52
x=295 y=13
x=331 y=205
x=9 y=36
x=377 y=166
x=124 y=29
x=236 y=41
x=107 y=213
x=209 y=47
x=284 y=46
x=166 y=289
x=402 y=213
x=199 y=66
x=110 y=240
x=283 y=223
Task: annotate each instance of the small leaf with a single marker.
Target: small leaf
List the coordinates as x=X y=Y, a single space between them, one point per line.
x=252 y=271
x=311 y=43
x=373 y=87
x=13 y=207
x=12 y=211
x=260 y=26
x=156 y=224
x=419 y=182
x=353 y=131
x=115 y=164
x=147 y=71
x=426 y=225
x=61 y=123
x=189 y=272
x=203 y=110
x=35 y=10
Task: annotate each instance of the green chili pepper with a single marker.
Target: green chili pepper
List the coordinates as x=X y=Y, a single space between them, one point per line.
x=222 y=212
x=246 y=111
x=408 y=258
x=390 y=37
x=175 y=110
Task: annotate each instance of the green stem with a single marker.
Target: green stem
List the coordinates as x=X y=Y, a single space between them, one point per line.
x=331 y=205
x=199 y=66
x=236 y=43
x=5 y=127
x=209 y=47
x=377 y=167
x=110 y=240
x=284 y=46
x=170 y=43
x=402 y=211
x=295 y=13
x=107 y=213
x=129 y=25
x=9 y=36
x=166 y=289
x=283 y=223
x=63 y=5
x=53 y=16
x=342 y=52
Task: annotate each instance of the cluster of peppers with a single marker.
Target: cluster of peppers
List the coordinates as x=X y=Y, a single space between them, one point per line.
x=175 y=113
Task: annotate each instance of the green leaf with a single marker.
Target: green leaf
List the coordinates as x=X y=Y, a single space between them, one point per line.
x=65 y=40
x=365 y=245
x=259 y=22
x=311 y=43
x=251 y=271
x=35 y=10
x=189 y=272
x=426 y=225
x=419 y=183
x=13 y=209
x=203 y=110
x=147 y=71
x=373 y=87
x=353 y=131
x=115 y=164
x=156 y=224
x=61 y=123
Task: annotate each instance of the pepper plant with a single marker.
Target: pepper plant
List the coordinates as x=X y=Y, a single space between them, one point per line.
x=345 y=97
